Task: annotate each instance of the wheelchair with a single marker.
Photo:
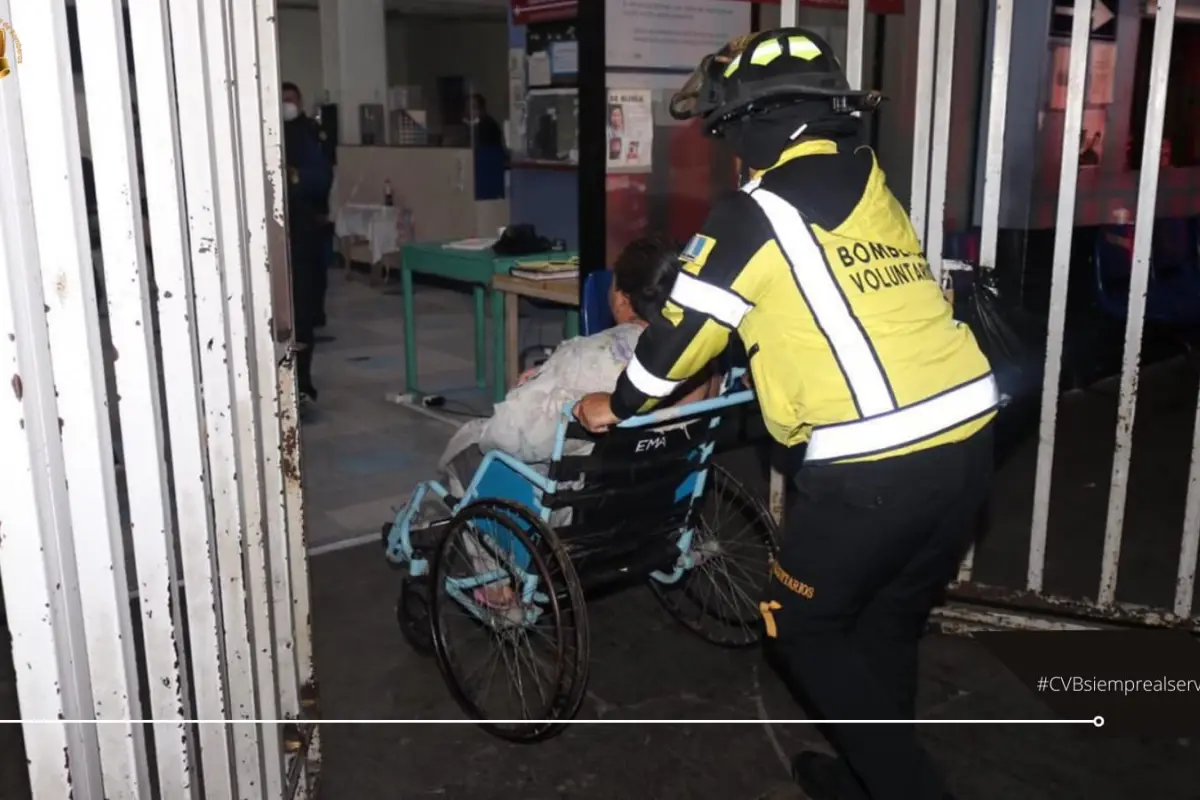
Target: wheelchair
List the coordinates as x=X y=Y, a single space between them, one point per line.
x=509 y=564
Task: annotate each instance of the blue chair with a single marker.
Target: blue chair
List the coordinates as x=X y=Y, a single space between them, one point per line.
x=595 y=315
x=509 y=564
x=1173 y=291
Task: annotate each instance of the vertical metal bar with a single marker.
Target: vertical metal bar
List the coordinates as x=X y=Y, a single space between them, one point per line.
x=777 y=496
x=28 y=550
x=923 y=117
x=264 y=277
x=156 y=93
x=200 y=136
x=131 y=326
x=856 y=31
x=291 y=456
x=939 y=157
x=292 y=462
x=245 y=510
x=52 y=152
x=38 y=571
x=789 y=13
x=993 y=172
x=1064 y=228
x=993 y=168
x=1189 y=546
x=264 y=403
x=1160 y=69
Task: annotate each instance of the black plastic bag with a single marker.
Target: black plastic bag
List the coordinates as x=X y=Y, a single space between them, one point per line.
x=1014 y=343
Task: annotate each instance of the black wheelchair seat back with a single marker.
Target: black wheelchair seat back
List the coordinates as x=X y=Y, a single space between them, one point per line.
x=634 y=491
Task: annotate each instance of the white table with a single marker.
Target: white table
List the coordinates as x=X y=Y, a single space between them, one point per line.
x=379 y=229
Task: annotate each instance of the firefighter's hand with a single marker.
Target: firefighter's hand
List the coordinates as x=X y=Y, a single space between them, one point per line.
x=747 y=379
x=594 y=412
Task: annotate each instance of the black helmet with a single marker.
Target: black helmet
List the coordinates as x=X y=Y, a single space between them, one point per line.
x=758 y=73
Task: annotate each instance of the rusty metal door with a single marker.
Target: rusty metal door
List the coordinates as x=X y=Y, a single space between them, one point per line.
x=151 y=534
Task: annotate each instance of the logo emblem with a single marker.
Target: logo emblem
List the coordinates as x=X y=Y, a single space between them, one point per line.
x=10 y=48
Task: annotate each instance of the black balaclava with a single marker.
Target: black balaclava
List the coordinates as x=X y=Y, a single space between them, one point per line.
x=759 y=139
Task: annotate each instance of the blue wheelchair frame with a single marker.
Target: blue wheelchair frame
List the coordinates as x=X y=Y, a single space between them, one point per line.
x=503 y=477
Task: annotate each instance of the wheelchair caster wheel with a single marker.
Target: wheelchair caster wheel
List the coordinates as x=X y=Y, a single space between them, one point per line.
x=412 y=615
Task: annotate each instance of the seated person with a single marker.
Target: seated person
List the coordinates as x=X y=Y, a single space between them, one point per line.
x=525 y=424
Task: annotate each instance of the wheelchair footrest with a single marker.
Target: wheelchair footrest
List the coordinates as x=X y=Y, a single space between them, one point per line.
x=599 y=571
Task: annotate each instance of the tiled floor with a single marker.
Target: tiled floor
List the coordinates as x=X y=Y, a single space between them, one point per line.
x=362 y=453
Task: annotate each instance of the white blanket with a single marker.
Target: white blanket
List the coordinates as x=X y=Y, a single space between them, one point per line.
x=525 y=424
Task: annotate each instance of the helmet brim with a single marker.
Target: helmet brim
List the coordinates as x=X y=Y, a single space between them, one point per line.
x=781 y=96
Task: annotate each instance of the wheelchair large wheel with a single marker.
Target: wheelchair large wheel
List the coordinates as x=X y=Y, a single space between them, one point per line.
x=508 y=622
x=734 y=540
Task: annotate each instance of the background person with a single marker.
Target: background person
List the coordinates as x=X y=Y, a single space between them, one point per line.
x=306 y=131
x=310 y=177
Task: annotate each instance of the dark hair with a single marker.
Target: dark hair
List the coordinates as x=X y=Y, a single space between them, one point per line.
x=480 y=101
x=288 y=86
x=646 y=271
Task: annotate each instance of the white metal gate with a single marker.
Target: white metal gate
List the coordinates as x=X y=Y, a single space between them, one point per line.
x=1032 y=606
x=152 y=553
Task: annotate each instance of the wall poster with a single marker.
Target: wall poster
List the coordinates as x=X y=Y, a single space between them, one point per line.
x=630 y=130
x=1101 y=73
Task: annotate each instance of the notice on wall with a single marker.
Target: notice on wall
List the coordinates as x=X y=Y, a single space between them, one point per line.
x=564 y=58
x=539 y=69
x=630 y=129
x=1101 y=73
x=1059 y=76
x=515 y=132
x=670 y=34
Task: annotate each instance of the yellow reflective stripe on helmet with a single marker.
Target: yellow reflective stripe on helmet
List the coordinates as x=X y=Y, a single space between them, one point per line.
x=803 y=47
x=733 y=65
x=766 y=52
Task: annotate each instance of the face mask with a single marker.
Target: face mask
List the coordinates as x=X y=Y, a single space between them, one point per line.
x=290 y=112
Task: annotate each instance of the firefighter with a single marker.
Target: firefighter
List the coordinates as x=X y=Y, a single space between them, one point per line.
x=881 y=401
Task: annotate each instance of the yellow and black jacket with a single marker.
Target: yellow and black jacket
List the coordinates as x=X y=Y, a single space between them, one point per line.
x=853 y=348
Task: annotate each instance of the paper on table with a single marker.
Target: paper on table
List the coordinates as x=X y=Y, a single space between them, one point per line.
x=470 y=244
x=535 y=275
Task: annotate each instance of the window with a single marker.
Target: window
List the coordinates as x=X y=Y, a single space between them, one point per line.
x=1181 y=122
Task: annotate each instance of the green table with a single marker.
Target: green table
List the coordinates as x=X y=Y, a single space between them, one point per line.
x=476 y=267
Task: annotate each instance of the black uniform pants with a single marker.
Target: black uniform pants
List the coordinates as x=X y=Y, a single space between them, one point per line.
x=868 y=550
x=321 y=276
x=305 y=255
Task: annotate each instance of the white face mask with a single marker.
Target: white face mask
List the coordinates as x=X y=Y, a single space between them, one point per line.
x=290 y=111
